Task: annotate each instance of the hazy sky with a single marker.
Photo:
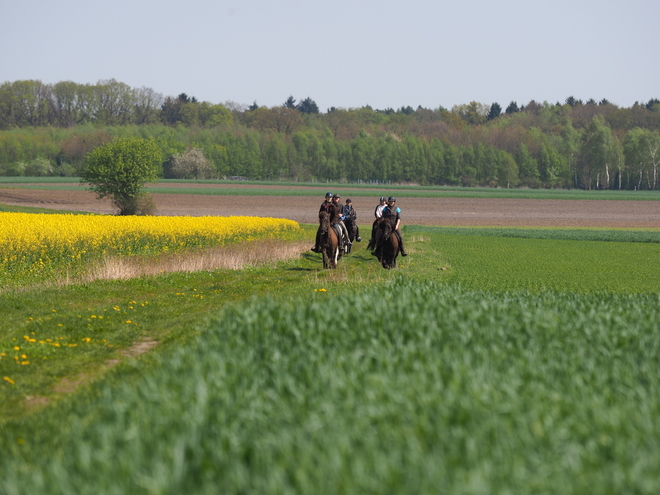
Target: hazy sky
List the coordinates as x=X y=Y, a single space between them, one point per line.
x=343 y=53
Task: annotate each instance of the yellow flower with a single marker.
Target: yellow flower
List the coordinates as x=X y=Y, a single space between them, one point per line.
x=16 y=348
x=8 y=380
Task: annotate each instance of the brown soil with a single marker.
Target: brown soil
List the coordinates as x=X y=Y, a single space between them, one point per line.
x=420 y=211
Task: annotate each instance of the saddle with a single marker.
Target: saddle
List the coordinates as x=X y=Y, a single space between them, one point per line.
x=340 y=233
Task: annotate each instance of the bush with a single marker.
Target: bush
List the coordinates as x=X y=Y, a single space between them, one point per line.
x=121 y=168
x=39 y=167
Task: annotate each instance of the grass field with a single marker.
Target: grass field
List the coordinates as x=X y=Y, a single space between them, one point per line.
x=491 y=361
x=357 y=190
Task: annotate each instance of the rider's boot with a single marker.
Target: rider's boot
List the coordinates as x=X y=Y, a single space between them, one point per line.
x=401 y=248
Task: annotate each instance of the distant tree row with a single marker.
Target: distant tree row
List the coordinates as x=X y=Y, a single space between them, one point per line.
x=570 y=145
x=510 y=156
x=68 y=104
x=31 y=103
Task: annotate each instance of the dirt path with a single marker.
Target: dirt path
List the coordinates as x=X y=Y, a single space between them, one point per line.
x=419 y=211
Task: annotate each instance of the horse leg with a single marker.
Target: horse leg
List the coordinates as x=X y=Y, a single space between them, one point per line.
x=396 y=247
x=335 y=258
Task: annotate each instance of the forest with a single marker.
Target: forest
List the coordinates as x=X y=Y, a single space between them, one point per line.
x=48 y=130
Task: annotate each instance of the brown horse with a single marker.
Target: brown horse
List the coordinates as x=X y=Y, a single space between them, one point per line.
x=329 y=242
x=388 y=243
x=353 y=231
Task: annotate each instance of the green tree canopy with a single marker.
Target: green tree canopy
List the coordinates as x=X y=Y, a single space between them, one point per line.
x=120 y=169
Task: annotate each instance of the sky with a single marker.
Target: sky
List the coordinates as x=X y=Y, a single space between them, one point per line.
x=343 y=53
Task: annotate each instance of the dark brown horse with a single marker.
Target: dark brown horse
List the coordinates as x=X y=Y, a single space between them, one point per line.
x=352 y=229
x=329 y=242
x=388 y=243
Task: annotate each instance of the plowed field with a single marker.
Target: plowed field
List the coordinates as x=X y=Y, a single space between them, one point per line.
x=420 y=211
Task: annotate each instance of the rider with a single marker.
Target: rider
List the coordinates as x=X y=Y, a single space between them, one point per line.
x=348 y=212
x=392 y=211
x=326 y=206
x=337 y=219
x=378 y=213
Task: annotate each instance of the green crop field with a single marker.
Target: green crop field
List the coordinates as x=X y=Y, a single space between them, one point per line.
x=270 y=188
x=491 y=361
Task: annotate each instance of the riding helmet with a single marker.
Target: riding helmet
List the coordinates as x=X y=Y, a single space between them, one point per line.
x=328 y=195
x=391 y=198
x=382 y=198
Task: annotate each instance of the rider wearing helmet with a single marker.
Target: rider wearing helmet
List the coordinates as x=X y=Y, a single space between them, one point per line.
x=379 y=209
x=348 y=212
x=328 y=207
x=337 y=219
x=391 y=211
x=378 y=213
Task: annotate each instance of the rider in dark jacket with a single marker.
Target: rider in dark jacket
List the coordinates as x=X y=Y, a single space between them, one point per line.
x=337 y=219
x=329 y=207
x=392 y=212
x=348 y=212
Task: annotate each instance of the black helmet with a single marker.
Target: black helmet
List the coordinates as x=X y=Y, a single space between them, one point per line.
x=328 y=195
x=382 y=198
x=391 y=198
x=348 y=200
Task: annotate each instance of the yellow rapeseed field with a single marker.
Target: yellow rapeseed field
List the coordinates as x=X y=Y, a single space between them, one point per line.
x=33 y=243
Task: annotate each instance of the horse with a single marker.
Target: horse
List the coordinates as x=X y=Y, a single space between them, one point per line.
x=330 y=247
x=352 y=229
x=374 y=233
x=388 y=243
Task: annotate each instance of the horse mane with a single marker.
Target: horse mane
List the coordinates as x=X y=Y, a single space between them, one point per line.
x=387 y=228
x=324 y=221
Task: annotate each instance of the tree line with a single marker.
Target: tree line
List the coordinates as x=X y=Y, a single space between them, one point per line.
x=49 y=130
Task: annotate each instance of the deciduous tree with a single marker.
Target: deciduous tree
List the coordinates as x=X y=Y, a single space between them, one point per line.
x=120 y=169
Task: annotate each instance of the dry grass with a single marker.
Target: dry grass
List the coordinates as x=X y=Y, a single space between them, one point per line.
x=233 y=257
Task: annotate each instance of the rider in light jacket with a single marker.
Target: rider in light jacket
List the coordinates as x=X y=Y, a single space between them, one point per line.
x=392 y=211
x=378 y=213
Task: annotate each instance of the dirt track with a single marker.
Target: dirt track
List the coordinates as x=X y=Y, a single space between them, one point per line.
x=420 y=211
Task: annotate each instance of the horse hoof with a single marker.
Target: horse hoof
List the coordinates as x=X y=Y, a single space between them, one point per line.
x=359 y=239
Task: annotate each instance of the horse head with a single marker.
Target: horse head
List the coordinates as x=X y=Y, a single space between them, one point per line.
x=387 y=228
x=324 y=221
